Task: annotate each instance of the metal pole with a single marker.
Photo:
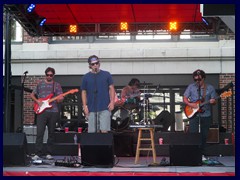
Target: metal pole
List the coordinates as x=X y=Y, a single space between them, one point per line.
x=7 y=75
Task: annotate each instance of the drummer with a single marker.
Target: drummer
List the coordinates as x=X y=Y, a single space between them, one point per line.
x=130 y=94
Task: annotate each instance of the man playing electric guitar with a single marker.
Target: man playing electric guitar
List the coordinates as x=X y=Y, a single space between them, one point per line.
x=195 y=94
x=49 y=116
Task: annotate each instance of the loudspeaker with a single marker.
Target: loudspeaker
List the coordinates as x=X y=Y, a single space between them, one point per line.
x=14 y=149
x=123 y=145
x=185 y=155
x=185 y=149
x=165 y=118
x=97 y=149
x=213 y=135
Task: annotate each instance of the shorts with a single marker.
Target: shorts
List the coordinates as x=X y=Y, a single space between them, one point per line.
x=103 y=122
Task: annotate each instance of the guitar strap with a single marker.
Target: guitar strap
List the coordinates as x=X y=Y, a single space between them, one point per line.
x=53 y=88
x=204 y=92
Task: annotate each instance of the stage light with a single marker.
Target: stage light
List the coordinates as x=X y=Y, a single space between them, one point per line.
x=30 y=8
x=124 y=26
x=205 y=21
x=42 y=21
x=73 y=28
x=173 y=26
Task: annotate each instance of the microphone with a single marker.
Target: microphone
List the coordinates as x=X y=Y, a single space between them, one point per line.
x=25 y=72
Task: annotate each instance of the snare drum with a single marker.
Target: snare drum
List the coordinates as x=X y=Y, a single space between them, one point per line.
x=131 y=103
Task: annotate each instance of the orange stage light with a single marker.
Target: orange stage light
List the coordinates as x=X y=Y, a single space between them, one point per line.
x=124 y=26
x=73 y=28
x=173 y=26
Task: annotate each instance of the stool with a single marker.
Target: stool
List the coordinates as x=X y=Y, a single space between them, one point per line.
x=140 y=138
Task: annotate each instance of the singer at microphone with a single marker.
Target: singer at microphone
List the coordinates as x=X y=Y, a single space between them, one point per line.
x=98 y=95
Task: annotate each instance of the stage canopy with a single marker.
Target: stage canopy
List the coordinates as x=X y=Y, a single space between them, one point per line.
x=105 y=19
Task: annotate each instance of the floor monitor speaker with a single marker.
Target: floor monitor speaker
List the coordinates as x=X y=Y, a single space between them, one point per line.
x=97 y=149
x=14 y=149
x=185 y=155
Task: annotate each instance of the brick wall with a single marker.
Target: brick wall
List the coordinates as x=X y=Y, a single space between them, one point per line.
x=228 y=104
x=37 y=39
x=29 y=115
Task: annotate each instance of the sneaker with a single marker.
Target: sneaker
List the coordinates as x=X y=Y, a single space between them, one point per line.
x=204 y=158
x=36 y=157
x=49 y=157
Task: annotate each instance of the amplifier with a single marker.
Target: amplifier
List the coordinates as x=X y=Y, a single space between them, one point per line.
x=31 y=133
x=213 y=135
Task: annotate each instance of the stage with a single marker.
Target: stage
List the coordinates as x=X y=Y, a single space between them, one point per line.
x=125 y=166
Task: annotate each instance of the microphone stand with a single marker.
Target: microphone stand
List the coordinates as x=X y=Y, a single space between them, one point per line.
x=95 y=103
x=20 y=129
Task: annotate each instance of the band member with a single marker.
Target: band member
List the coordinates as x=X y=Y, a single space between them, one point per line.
x=49 y=116
x=98 y=95
x=196 y=93
x=130 y=94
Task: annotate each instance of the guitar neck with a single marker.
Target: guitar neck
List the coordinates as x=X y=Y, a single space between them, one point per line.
x=207 y=102
x=55 y=98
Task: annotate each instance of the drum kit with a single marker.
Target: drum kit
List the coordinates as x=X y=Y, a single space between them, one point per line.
x=133 y=111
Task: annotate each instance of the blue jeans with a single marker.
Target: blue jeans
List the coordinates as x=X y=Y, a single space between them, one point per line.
x=205 y=123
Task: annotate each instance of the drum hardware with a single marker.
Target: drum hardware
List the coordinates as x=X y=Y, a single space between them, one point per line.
x=145 y=104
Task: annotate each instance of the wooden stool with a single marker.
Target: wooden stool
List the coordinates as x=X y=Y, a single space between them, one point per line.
x=140 y=138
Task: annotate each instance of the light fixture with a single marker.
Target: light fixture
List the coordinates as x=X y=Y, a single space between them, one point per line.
x=73 y=28
x=173 y=26
x=42 y=21
x=205 y=21
x=124 y=26
x=30 y=8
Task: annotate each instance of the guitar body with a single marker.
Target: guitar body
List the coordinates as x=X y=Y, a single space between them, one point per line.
x=191 y=112
x=45 y=104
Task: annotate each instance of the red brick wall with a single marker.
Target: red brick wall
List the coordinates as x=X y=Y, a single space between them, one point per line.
x=37 y=39
x=30 y=82
x=228 y=104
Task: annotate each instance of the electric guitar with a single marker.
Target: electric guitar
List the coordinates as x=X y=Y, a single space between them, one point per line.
x=190 y=112
x=47 y=100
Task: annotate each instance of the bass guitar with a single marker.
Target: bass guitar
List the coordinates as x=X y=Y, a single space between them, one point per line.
x=190 y=112
x=47 y=100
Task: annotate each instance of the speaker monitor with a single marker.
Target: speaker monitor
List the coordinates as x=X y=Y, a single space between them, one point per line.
x=165 y=118
x=97 y=149
x=185 y=149
x=14 y=149
x=185 y=155
x=123 y=145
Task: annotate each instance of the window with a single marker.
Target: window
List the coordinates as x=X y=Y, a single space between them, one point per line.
x=16 y=30
x=71 y=107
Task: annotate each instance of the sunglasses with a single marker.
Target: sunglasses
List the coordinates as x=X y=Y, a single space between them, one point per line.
x=197 y=80
x=50 y=75
x=96 y=63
